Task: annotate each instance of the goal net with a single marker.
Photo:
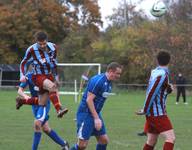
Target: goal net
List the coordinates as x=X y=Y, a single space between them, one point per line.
x=73 y=77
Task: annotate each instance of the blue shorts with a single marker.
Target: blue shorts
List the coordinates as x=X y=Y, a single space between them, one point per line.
x=86 y=126
x=41 y=115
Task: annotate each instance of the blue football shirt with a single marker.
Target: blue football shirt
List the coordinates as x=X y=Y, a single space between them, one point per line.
x=101 y=87
x=31 y=85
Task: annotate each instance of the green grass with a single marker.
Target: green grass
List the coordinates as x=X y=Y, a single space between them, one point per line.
x=122 y=124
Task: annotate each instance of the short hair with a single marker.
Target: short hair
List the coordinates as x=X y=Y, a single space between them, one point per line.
x=113 y=66
x=163 y=58
x=41 y=36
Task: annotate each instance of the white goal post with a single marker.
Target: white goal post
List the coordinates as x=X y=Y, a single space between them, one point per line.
x=82 y=64
x=76 y=84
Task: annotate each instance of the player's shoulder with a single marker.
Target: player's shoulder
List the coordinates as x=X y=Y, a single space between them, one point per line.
x=52 y=46
x=32 y=47
x=158 y=71
x=99 y=78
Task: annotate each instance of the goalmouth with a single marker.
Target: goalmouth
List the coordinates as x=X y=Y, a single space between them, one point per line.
x=73 y=77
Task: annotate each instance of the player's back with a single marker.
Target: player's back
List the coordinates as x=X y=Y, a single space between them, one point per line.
x=157 y=92
x=33 y=90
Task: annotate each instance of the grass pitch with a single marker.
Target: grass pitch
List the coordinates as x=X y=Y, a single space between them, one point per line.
x=16 y=129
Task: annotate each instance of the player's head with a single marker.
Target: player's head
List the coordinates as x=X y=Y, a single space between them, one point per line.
x=41 y=39
x=114 y=70
x=163 y=58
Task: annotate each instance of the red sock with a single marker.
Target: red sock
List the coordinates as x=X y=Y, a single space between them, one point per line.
x=55 y=100
x=147 y=147
x=168 y=146
x=30 y=101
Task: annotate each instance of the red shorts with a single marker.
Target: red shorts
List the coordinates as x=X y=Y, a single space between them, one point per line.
x=38 y=81
x=158 y=124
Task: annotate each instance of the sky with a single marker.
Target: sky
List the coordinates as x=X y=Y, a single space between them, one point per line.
x=108 y=5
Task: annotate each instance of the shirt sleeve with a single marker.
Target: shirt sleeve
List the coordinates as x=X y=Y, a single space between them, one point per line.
x=55 y=72
x=155 y=86
x=25 y=62
x=23 y=85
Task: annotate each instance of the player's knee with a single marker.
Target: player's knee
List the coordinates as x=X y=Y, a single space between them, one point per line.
x=103 y=140
x=46 y=130
x=151 y=142
x=171 y=139
x=53 y=88
x=82 y=146
x=37 y=125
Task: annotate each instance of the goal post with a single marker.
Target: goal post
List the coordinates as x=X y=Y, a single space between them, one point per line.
x=82 y=64
x=73 y=77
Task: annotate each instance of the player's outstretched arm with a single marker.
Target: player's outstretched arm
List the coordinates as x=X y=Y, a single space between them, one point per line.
x=22 y=94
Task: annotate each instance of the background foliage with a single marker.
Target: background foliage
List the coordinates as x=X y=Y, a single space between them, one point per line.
x=133 y=38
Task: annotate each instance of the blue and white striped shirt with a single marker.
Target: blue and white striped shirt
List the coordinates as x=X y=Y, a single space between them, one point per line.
x=43 y=62
x=155 y=102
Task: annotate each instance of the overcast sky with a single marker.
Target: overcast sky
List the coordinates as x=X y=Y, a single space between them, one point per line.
x=108 y=5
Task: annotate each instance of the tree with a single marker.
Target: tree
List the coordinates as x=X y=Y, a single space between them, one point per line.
x=20 y=20
x=126 y=15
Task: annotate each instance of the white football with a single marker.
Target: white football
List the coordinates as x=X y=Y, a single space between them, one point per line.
x=158 y=9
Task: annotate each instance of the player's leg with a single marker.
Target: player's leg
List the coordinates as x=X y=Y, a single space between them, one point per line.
x=101 y=136
x=85 y=127
x=178 y=95
x=54 y=97
x=151 y=141
x=40 y=113
x=22 y=101
x=152 y=124
x=169 y=137
x=166 y=131
x=37 y=134
x=184 y=96
x=49 y=85
x=102 y=142
x=54 y=136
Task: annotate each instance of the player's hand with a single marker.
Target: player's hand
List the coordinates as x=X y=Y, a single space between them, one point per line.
x=140 y=112
x=170 y=88
x=98 y=124
x=23 y=79
x=57 y=84
x=27 y=97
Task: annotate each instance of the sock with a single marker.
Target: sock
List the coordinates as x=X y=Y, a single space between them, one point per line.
x=55 y=100
x=30 y=101
x=147 y=147
x=101 y=147
x=75 y=147
x=168 y=146
x=55 y=137
x=36 y=140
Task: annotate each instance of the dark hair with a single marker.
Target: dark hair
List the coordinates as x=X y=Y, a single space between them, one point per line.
x=113 y=66
x=163 y=58
x=41 y=36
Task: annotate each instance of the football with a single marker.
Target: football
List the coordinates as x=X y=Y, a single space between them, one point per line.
x=158 y=9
